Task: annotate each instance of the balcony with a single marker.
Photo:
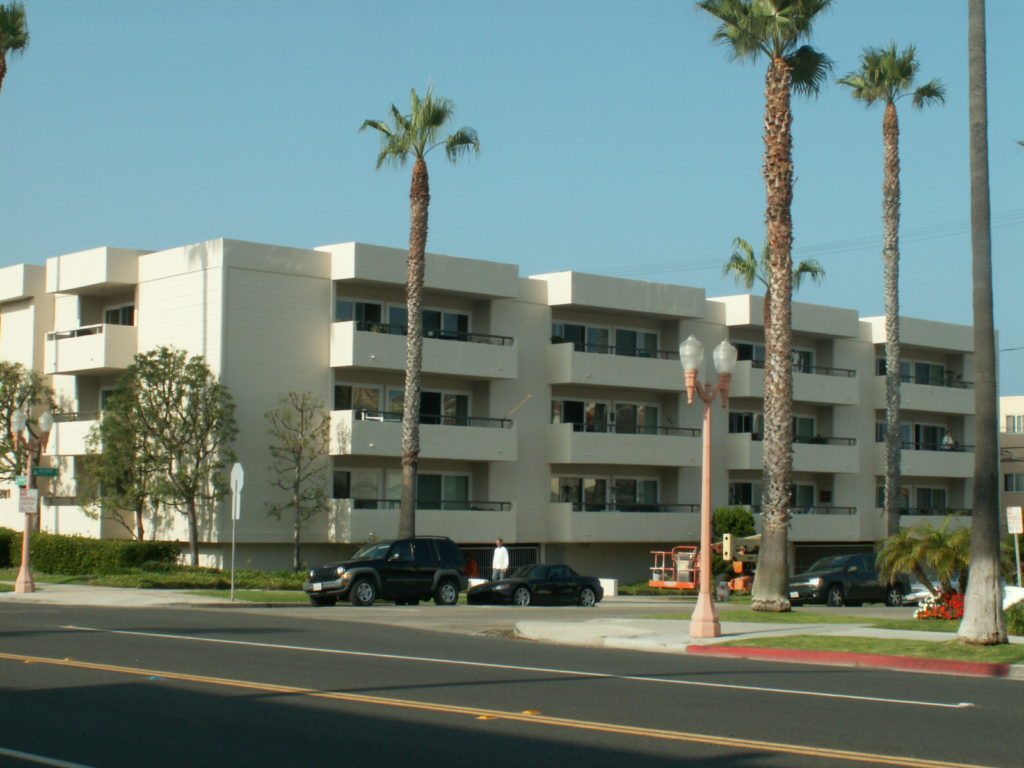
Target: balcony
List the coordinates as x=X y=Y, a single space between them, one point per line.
x=658 y=523
x=569 y=363
x=822 y=523
x=814 y=384
x=357 y=520
x=70 y=432
x=953 y=396
x=92 y=349
x=379 y=433
x=358 y=344
x=663 y=447
x=832 y=455
x=918 y=460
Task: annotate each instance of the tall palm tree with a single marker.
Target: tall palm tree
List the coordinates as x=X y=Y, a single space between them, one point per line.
x=413 y=136
x=983 y=621
x=13 y=34
x=885 y=76
x=775 y=30
x=746 y=270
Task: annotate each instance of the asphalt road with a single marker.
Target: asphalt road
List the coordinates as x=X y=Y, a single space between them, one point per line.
x=290 y=687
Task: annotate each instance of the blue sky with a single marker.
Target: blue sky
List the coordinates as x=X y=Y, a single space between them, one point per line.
x=617 y=139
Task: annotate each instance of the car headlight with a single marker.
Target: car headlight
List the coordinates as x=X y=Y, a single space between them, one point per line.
x=502 y=586
x=312 y=575
x=815 y=582
x=340 y=569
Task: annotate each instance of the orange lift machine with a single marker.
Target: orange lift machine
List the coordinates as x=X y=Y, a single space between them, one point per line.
x=679 y=568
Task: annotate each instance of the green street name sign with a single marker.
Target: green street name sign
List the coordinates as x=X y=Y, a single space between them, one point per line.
x=45 y=472
x=20 y=480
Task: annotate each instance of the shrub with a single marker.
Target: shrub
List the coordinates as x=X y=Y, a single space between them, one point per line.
x=941 y=606
x=9 y=541
x=76 y=555
x=1015 y=619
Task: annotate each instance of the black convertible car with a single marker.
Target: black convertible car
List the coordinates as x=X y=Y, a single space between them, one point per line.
x=536 y=584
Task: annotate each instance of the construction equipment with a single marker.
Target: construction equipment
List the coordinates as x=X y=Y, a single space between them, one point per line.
x=678 y=568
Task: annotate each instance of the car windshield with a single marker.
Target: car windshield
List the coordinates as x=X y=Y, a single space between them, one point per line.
x=375 y=551
x=828 y=563
x=526 y=571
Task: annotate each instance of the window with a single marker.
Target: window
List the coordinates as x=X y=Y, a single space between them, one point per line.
x=803 y=428
x=746 y=422
x=636 y=343
x=636 y=419
x=356 y=397
x=360 y=485
x=929 y=373
x=444 y=325
x=803 y=360
x=449 y=408
x=747 y=351
x=902 y=502
x=633 y=495
x=434 y=490
x=1015 y=423
x=593 y=338
x=931 y=499
x=745 y=494
x=801 y=496
x=591 y=494
x=1013 y=483
x=123 y=315
x=362 y=311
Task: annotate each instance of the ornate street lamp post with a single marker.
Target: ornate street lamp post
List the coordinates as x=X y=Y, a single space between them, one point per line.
x=704 y=622
x=32 y=443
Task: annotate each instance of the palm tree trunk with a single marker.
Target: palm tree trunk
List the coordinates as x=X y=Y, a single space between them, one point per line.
x=770 y=584
x=419 y=205
x=983 y=621
x=891 y=280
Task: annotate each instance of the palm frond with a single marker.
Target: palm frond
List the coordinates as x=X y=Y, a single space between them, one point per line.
x=13 y=28
x=932 y=92
x=810 y=69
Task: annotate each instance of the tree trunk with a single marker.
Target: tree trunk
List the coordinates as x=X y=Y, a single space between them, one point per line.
x=770 y=591
x=419 y=204
x=296 y=533
x=891 y=282
x=193 y=531
x=983 y=621
x=140 y=530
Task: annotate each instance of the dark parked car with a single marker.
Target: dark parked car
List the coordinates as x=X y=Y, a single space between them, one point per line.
x=403 y=570
x=548 y=584
x=845 y=580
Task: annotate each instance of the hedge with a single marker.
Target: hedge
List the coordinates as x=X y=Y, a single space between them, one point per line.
x=74 y=555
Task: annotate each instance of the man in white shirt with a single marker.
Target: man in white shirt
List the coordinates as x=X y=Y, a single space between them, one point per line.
x=499 y=565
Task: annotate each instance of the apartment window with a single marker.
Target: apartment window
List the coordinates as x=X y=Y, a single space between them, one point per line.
x=360 y=485
x=803 y=360
x=747 y=422
x=636 y=343
x=803 y=428
x=801 y=496
x=744 y=494
x=434 y=490
x=932 y=499
x=591 y=494
x=1015 y=423
x=1013 y=483
x=356 y=397
x=105 y=396
x=435 y=407
x=360 y=311
x=747 y=351
x=902 y=501
x=445 y=325
x=635 y=495
x=122 y=315
x=636 y=419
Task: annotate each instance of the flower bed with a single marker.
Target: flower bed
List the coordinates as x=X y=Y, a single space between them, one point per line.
x=941 y=606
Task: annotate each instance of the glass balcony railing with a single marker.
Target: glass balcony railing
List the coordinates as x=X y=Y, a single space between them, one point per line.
x=435 y=333
x=446 y=505
x=627 y=506
x=620 y=429
x=363 y=414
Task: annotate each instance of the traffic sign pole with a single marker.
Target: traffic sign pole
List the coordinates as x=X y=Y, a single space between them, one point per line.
x=237 y=481
x=1015 y=525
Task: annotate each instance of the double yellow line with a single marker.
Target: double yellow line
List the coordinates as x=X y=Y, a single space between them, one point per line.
x=530 y=716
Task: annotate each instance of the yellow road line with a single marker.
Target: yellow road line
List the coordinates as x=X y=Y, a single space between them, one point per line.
x=476 y=712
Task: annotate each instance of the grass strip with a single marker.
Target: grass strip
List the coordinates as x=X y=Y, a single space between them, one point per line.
x=927 y=649
x=256 y=595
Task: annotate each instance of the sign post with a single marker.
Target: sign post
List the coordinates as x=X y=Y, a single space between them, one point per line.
x=1015 y=525
x=237 y=480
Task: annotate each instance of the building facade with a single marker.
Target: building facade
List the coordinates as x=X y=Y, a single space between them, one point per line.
x=553 y=410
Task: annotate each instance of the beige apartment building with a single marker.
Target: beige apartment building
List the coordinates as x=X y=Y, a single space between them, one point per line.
x=1011 y=451
x=553 y=408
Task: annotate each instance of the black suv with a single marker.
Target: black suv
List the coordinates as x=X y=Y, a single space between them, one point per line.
x=839 y=580
x=403 y=570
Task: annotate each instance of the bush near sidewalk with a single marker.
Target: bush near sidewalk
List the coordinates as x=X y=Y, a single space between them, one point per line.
x=53 y=553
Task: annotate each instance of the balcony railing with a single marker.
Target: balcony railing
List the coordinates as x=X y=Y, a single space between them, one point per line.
x=934 y=512
x=456 y=504
x=815 y=509
x=933 y=446
x=74 y=333
x=76 y=416
x=810 y=440
x=819 y=370
x=435 y=333
x=618 y=429
x=634 y=507
x=950 y=380
x=605 y=349
x=363 y=414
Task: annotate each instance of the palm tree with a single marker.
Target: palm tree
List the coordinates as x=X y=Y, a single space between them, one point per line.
x=746 y=270
x=775 y=30
x=13 y=34
x=904 y=552
x=885 y=76
x=413 y=136
x=983 y=621
x=942 y=552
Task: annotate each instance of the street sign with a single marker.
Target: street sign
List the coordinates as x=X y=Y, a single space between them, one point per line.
x=45 y=472
x=1014 y=520
x=28 y=500
x=237 y=481
x=20 y=480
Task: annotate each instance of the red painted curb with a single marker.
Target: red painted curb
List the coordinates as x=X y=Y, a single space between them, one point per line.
x=844 y=659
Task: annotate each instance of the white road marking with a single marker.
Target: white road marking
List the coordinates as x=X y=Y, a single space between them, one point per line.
x=30 y=758
x=518 y=668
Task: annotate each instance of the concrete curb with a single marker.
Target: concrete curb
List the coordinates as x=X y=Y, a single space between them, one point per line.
x=869 y=660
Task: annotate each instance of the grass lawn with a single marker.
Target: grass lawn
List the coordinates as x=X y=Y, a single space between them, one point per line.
x=257 y=595
x=929 y=649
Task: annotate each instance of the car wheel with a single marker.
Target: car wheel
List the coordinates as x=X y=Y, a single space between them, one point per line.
x=447 y=593
x=894 y=596
x=588 y=597
x=521 y=597
x=323 y=600
x=364 y=592
x=834 y=597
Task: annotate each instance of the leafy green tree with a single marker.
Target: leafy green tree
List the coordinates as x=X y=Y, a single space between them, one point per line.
x=119 y=470
x=983 y=623
x=739 y=521
x=413 y=136
x=300 y=427
x=21 y=389
x=887 y=75
x=776 y=31
x=187 y=418
x=13 y=34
